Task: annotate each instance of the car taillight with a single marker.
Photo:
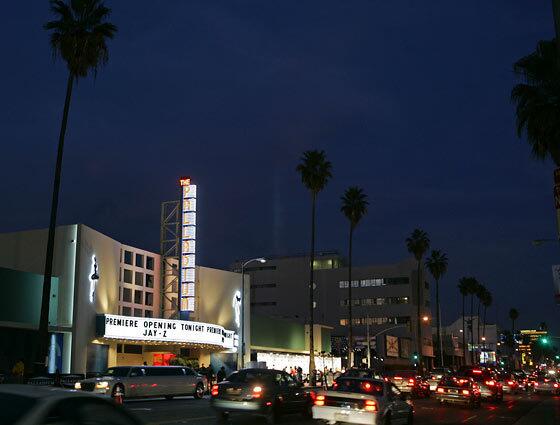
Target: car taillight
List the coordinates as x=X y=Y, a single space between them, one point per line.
x=510 y=382
x=320 y=400
x=335 y=386
x=536 y=384
x=215 y=390
x=257 y=392
x=411 y=382
x=371 y=406
x=466 y=392
x=490 y=383
x=440 y=390
x=555 y=385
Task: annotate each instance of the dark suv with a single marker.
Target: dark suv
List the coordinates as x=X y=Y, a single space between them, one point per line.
x=262 y=392
x=487 y=381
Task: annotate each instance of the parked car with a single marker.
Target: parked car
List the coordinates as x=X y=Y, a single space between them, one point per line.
x=408 y=381
x=545 y=385
x=487 y=381
x=436 y=375
x=263 y=392
x=458 y=390
x=363 y=401
x=146 y=381
x=35 y=405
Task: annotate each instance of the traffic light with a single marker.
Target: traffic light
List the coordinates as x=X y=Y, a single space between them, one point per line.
x=544 y=340
x=415 y=357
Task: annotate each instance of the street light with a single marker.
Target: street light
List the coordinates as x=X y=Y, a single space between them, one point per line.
x=241 y=347
x=425 y=319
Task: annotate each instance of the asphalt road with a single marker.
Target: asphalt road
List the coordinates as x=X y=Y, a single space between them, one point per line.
x=530 y=409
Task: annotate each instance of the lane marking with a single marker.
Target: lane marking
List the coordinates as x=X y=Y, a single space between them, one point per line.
x=468 y=419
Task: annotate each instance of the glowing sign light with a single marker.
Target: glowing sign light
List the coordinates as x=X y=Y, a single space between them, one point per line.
x=188 y=246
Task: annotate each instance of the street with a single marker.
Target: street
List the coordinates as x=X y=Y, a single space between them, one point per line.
x=519 y=409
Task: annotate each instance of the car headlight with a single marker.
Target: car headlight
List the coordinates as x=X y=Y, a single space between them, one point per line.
x=77 y=386
x=103 y=385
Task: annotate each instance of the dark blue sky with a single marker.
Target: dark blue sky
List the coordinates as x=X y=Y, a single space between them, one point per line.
x=409 y=99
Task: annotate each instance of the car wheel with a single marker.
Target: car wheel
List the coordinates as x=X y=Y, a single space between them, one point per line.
x=169 y=397
x=199 y=391
x=222 y=417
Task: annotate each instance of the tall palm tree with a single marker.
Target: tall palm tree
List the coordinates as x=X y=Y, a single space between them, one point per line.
x=417 y=244
x=480 y=290
x=354 y=207
x=486 y=302
x=436 y=263
x=473 y=288
x=315 y=173
x=79 y=36
x=464 y=290
x=513 y=316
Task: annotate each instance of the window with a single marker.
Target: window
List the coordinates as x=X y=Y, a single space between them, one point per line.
x=344 y=284
x=126 y=311
x=127 y=295
x=149 y=280
x=139 y=278
x=149 y=263
x=148 y=313
x=139 y=260
x=149 y=299
x=138 y=297
x=343 y=322
x=127 y=276
x=132 y=349
x=378 y=281
x=128 y=258
x=137 y=312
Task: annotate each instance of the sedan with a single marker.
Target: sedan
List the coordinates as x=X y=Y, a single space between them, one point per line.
x=456 y=390
x=363 y=401
x=30 y=405
x=436 y=375
x=408 y=381
x=546 y=386
x=263 y=392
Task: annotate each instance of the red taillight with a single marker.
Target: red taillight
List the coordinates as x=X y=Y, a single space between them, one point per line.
x=335 y=386
x=215 y=390
x=510 y=382
x=440 y=390
x=411 y=382
x=536 y=384
x=320 y=400
x=490 y=383
x=466 y=392
x=257 y=392
x=555 y=385
x=371 y=406
x=477 y=371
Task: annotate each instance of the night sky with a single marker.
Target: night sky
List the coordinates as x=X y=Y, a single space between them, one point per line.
x=409 y=99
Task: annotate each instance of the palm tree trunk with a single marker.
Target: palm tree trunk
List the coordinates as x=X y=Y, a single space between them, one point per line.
x=47 y=275
x=311 y=293
x=472 y=330
x=350 y=340
x=484 y=326
x=478 y=329
x=419 y=330
x=464 y=352
x=439 y=342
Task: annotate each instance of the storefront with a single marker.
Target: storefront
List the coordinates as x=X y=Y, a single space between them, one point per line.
x=107 y=302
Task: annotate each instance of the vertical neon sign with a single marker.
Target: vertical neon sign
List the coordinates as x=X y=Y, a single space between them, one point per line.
x=188 y=248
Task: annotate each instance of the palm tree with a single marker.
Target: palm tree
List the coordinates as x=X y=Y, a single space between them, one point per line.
x=513 y=316
x=354 y=207
x=315 y=173
x=417 y=244
x=537 y=100
x=473 y=288
x=480 y=290
x=486 y=302
x=78 y=35
x=464 y=290
x=436 y=263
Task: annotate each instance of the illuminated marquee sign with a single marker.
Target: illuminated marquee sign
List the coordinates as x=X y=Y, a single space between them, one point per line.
x=163 y=330
x=188 y=246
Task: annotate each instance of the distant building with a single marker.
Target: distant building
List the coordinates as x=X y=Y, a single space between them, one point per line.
x=526 y=338
x=384 y=297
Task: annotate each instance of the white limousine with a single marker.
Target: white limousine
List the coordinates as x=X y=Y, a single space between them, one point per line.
x=146 y=381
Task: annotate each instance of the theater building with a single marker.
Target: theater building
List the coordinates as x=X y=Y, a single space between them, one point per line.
x=106 y=305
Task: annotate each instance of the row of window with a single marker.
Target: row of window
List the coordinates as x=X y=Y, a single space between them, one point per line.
x=376 y=301
x=138 y=312
x=140 y=278
x=140 y=297
x=377 y=320
x=145 y=262
x=378 y=281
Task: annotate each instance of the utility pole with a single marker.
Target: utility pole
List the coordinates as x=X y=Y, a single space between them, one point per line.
x=368 y=343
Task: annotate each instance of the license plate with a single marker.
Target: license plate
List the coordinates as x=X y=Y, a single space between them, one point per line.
x=454 y=391
x=341 y=416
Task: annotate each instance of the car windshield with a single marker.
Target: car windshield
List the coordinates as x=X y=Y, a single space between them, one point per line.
x=361 y=386
x=250 y=376
x=119 y=372
x=455 y=383
x=14 y=407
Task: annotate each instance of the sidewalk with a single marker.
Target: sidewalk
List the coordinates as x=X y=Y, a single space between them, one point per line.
x=545 y=413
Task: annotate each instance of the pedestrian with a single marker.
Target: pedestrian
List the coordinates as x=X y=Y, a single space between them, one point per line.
x=18 y=371
x=221 y=375
x=209 y=374
x=145 y=363
x=330 y=378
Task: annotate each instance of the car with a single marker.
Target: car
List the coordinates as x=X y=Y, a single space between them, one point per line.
x=510 y=384
x=436 y=375
x=546 y=385
x=262 y=392
x=361 y=373
x=146 y=381
x=522 y=379
x=408 y=381
x=363 y=401
x=34 y=405
x=487 y=381
x=458 y=390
